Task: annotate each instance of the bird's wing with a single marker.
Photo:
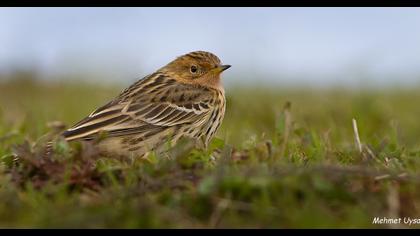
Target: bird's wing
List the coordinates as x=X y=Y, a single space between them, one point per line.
x=152 y=104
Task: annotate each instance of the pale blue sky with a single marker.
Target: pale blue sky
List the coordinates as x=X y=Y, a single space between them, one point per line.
x=314 y=46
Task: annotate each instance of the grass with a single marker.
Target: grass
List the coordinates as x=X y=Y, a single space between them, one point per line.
x=288 y=160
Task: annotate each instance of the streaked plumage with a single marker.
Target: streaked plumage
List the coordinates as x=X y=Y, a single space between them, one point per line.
x=182 y=99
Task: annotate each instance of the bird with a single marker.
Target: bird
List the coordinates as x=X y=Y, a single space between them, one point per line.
x=183 y=99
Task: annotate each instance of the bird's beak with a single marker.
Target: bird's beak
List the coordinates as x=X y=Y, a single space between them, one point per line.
x=222 y=68
x=225 y=67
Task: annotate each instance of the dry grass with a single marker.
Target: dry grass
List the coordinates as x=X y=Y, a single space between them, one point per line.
x=303 y=164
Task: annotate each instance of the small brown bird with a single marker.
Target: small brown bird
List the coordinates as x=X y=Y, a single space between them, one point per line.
x=185 y=98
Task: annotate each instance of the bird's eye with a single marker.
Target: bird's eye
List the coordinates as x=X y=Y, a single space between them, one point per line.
x=193 y=69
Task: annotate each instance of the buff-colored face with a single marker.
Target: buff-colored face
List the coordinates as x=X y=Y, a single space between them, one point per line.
x=196 y=67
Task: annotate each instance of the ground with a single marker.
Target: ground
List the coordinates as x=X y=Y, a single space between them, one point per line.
x=288 y=159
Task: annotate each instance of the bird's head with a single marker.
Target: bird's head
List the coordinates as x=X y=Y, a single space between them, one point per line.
x=199 y=67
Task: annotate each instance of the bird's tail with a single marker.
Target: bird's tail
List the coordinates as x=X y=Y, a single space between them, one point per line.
x=49 y=149
x=51 y=137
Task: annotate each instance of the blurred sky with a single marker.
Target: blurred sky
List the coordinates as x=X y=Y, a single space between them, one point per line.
x=312 y=46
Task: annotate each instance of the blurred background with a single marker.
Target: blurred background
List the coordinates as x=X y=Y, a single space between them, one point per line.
x=355 y=47
x=332 y=64
x=298 y=78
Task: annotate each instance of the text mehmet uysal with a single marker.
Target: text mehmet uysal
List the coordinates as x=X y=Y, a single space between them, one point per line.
x=404 y=220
